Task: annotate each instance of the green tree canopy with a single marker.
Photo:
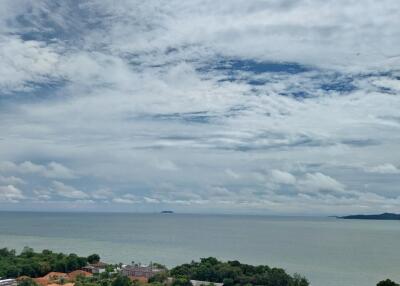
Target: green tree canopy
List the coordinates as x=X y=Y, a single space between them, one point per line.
x=234 y=273
x=27 y=282
x=387 y=282
x=181 y=281
x=94 y=258
x=121 y=280
x=33 y=264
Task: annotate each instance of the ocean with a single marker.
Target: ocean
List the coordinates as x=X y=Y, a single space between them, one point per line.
x=328 y=251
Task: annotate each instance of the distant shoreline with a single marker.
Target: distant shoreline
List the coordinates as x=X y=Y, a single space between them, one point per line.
x=383 y=216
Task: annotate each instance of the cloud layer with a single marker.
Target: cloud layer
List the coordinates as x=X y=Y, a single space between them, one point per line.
x=284 y=107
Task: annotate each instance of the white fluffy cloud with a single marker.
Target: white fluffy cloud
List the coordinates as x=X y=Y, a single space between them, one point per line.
x=319 y=182
x=384 y=169
x=11 y=180
x=126 y=199
x=24 y=62
x=51 y=170
x=187 y=103
x=10 y=193
x=67 y=191
x=281 y=177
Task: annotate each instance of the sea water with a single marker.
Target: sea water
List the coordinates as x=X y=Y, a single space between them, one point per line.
x=328 y=251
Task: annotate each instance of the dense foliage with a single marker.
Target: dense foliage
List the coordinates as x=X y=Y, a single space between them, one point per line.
x=35 y=264
x=107 y=279
x=27 y=282
x=94 y=258
x=233 y=273
x=387 y=282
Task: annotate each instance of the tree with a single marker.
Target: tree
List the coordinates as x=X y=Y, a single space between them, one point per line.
x=228 y=282
x=299 y=280
x=4 y=252
x=105 y=275
x=12 y=271
x=36 y=264
x=233 y=273
x=27 y=282
x=94 y=258
x=27 y=252
x=159 y=277
x=387 y=282
x=122 y=281
x=181 y=281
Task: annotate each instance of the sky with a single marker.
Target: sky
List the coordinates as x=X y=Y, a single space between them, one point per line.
x=280 y=107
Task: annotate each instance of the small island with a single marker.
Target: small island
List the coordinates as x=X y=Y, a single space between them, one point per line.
x=384 y=216
x=167 y=212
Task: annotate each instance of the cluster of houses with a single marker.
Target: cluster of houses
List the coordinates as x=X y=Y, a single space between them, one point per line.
x=135 y=271
x=139 y=272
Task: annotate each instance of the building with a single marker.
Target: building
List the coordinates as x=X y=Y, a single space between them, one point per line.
x=8 y=282
x=95 y=268
x=137 y=270
x=204 y=283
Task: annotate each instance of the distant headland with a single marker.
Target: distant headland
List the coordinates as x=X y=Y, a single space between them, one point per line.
x=384 y=216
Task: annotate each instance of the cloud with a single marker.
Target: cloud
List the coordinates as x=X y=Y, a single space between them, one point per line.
x=10 y=193
x=11 y=180
x=127 y=199
x=318 y=182
x=281 y=177
x=51 y=170
x=383 y=169
x=102 y=194
x=218 y=192
x=25 y=62
x=189 y=105
x=165 y=165
x=56 y=170
x=151 y=200
x=69 y=192
x=42 y=194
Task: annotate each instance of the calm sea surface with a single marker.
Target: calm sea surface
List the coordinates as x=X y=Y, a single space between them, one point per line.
x=328 y=251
